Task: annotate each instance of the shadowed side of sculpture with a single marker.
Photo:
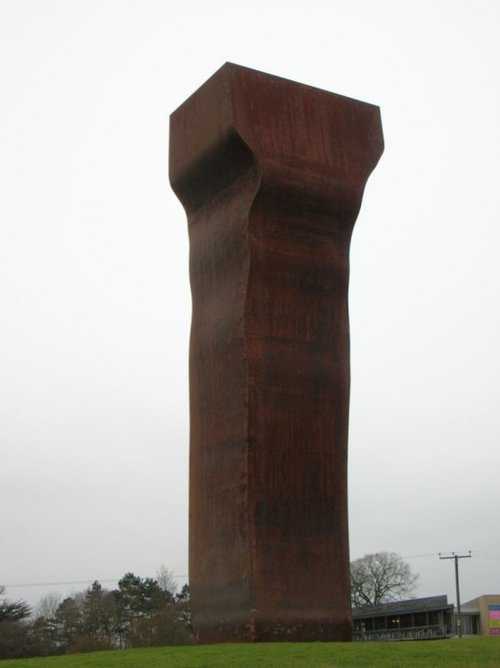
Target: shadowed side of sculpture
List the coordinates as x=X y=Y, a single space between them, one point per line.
x=271 y=174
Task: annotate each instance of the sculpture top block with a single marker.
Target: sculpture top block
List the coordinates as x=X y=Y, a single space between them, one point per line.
x=319 y=142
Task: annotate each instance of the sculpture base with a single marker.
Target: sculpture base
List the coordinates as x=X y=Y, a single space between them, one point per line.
x=314 y=630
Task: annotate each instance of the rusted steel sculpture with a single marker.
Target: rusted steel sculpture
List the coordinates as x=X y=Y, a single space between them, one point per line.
x=271 y=174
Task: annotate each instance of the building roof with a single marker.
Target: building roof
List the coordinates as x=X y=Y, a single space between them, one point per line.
x=484 y=598
x=430 y=603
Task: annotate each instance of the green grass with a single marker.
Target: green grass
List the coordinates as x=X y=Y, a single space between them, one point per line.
x=465 y=653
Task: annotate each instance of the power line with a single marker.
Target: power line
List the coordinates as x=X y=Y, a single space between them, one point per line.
x=72 y=582
x=487 y=556
x=418 y=556
x=55 y=584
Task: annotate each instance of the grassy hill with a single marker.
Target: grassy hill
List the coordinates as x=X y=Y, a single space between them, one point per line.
x=464 y=653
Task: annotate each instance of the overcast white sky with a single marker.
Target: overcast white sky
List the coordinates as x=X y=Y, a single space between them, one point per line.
x=94 y=291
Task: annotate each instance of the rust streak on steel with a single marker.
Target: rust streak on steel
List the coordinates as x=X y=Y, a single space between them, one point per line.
x=271 y=174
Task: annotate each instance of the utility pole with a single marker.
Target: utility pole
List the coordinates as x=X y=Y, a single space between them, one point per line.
x=456 y=557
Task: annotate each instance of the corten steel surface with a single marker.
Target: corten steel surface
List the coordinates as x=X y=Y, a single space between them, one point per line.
x=271 y=174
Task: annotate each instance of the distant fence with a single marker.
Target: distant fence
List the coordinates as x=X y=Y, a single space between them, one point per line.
x=410 y=633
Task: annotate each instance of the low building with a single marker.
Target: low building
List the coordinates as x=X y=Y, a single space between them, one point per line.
x=416 y=619
x=481 y=616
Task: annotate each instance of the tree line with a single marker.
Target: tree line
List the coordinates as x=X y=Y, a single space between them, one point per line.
x=149 y=612
x=140 y=612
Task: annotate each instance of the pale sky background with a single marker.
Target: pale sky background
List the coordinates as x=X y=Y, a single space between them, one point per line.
x=94 y=291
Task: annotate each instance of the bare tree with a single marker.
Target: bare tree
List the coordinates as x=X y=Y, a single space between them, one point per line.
x=381 y=578
x=166 y=580
x=47 y=606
